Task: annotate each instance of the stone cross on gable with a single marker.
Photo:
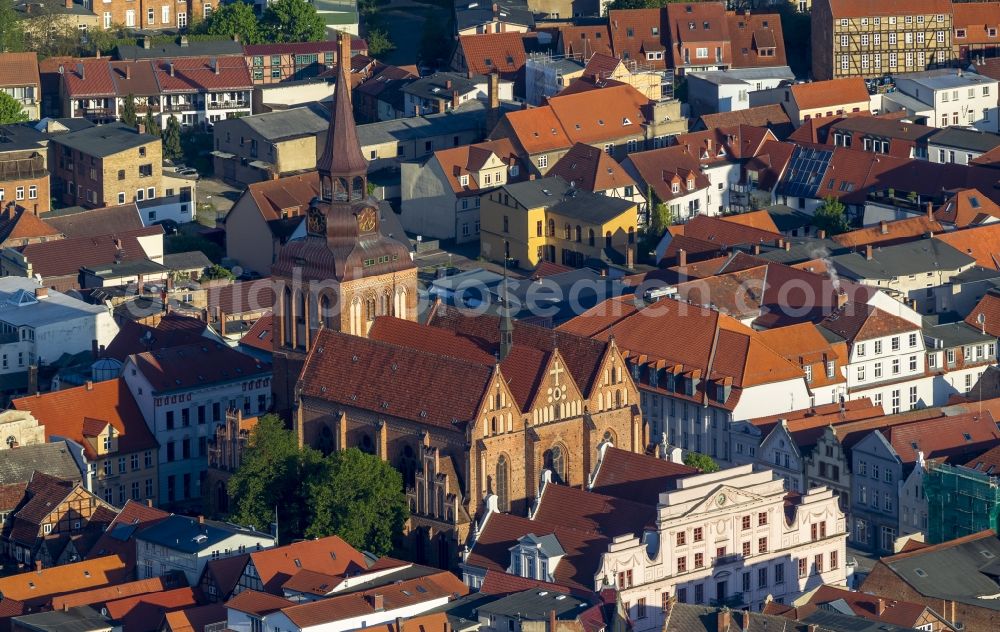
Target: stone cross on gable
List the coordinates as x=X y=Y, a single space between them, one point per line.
x=556 y=371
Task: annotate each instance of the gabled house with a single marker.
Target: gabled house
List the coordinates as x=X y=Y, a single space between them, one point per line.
x=591 y=169
x=673 y=176
x=26 y=593
x=967 y=207
x=21 y=82
x=502 y=53
x=806 y=101
x=441 y=196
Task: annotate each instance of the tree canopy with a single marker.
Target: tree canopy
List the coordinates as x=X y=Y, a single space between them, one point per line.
x=351 y=494
x=701 y=461
x=378 y=42
x=11 y=31
x=831 y=216
x=235 y=18
x=11 y=110
x=293 y=21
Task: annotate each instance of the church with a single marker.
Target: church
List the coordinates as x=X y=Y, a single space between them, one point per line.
x=345 y=272
x=471 y=409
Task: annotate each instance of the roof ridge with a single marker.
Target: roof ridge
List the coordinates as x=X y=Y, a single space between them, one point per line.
x=933 y=548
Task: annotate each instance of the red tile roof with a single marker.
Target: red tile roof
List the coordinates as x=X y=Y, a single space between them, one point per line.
x=977 y=19
x=241 y=297
x=37 y=588
x=260 y=336
x=143 y=613
x=988 y=462
x=856 y=322
x=19 y=69
x=587 y=167
x=989 y=308
x=861 y=8
x=173 y=330
x=702 y=24
x=329 y=555
x=601 y=65
x=65 y=413
x=944 y=438
x=66 y=256
x=99 y=221
x=225 y=573
x=257 y=603
x=662 y=169
x=757 y=39
x=761 y=116
x=118 y=538
x=467 y=160
x=285 y=197
x=24 y=225
x=888 y=233
x=585 y=40
x=202 y=74
x=11 y=495
x=637 y=477
x=980 y=242
x=99 y=596
x=195 y=619
x=966 y=207
x=197 y=365
x=89 y=78
x=636 y=32
x=830 y=94
x=493 y=52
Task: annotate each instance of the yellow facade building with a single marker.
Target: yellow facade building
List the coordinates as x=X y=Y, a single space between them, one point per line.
x=549 y=220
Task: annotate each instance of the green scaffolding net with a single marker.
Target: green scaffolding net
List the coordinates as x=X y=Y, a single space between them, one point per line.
x=960 y=501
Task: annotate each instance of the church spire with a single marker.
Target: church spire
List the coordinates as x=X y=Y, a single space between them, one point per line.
x=506 y=324
x=342 y=157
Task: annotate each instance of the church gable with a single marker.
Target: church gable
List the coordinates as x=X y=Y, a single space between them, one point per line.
x=499 y=411
x=557 y=395
x=613 y=386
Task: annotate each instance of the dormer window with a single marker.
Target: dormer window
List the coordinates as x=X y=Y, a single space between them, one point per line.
x=464 y=180
x=675 y=187
x=690 y=184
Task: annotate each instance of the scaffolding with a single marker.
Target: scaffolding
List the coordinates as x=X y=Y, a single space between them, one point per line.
x=960 y=501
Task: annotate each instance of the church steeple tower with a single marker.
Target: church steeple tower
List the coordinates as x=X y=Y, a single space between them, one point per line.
x=342 y=167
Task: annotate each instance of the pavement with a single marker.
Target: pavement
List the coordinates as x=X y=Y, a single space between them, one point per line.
x=218 y=193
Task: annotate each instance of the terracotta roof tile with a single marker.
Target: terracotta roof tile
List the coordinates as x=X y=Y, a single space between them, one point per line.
x=584 y=40
x=171 y=369
x=260 y=336
x=202 y=74
x=860 y=321
x=988 y=462
x=493 y=52
x=601 y=65
x=989 y=307
x=966 y=207
x=66 y=413
x=143 y=613
x=977 y=19
x=37 y=588
x=225 y=572
x=173 y=330
x=770 y=116
x=11 y=495
x=637 y=477
x=761 y=220
x=66 y=256
x=661 y=169
x=19 y=69
x=832 y=93
x=469 y=159
x=285 y=197
x=242 y=297
x=329 y=555
x=860 y=8
x=25 y=225
x=589 y=168
x=888 y=233
x=631 y=29
x=99 y=596
x=980 y=242
x=89 y=78
x=945 y=438
x=99 y=221
x=757 y=39
x=194 y=619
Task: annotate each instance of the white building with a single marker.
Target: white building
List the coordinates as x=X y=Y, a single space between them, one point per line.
x=960 y=146
x=184 y=393
x=185 y=544
x=545 y=76
x=956 y=97
x=39 y=325
x=729 y=90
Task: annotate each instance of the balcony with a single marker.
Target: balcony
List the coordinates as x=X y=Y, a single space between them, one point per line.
x=228 y=105
x=722 y=560
x=180 y=106
x=97 y=114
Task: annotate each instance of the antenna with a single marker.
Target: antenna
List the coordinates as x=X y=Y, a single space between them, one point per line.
x=981 y=319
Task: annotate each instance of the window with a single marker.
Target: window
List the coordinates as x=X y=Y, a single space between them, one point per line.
x=878 y=370
x=681 y=538
x=861 y=349
x=803 y=568
x=699 y=560
x=746 y=549
x=779 y=574
x=148 y=460
x=746 y=522
x=833 y=560
x=19 y=193
x=33 y=192
x=762 y=545
x=762 y=519
x=762 y=577
x=818 y=563
x=895 y=366
x=165 y=15
x=698 y=534
x=150 y=16
x=843 y=41
x=682 y=564
x=640 y=608
x=913 y=363
x=543 y=161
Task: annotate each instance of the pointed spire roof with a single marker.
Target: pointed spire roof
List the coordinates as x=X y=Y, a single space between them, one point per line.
x=342 y=154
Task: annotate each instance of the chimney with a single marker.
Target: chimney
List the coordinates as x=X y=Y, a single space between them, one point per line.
x=883 y=227
x=454 y=99
x=493 y=95
x=184 y=41
x=170 y=68
x=868 y=252
x=94 y=349
x=147 y=42
x=38 y=566
x=821 y=234
x=630 y=256
x=682 y=257
x=81 y=71
x=552 y=621
x=377 y=602
x=841 y=298
x=345 y=51
x=447 y=84
x=442 y=106
x=531 y=176
x=32 y=379
x=788 y=246
x=930 y=210
x=89 y=385
x=41 y=292
x=756 y=249
x=140 y=127
x=723 y=619
x=69 y=4
x=215 y=65
x=149 y=502
x=201 y=519
x=881 y=606
x=780 y=243
x=128 y=71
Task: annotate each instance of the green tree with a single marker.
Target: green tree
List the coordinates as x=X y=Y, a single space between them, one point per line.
x=12 y=38
x=217 y=272
x=273 y=473
x=129 y=116
x=701 y=461
x=11 y=110
x=379 y=42
x=236 y=18
x=632 y=4
x=172 y=139
x=293 y=21
x=831 y=216
x=149 y=122
x=360 y=498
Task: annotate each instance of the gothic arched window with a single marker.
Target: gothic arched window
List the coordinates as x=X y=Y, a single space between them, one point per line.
x=579 y=234
x=358 y=188
x=326 y=312
x=607 y=239
x=555 y=462
x=590 y=239
x=370 y=308
x=503 y=484
x=567 y=231
x=289 y=322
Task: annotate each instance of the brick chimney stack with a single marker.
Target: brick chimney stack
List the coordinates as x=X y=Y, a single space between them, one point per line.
x=682 y=257
x=868 y=252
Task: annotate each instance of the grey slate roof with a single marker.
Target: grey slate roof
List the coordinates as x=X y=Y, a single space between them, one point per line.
x=104 y=140
x=829 y=620
x=435 y=87
x=548 y=544
x=220 y=47
x=915 y=257
x=558 y=196
x=191 y=260
x=18 y=464
x=76 y=619
x=952 y=571
x=957 y=335
x=18 y=305
x=685 y=617
x=535 y=605
x=182 y=533
x=469 y=13
x=287 y=124
x=966 y=139
x=471 y=115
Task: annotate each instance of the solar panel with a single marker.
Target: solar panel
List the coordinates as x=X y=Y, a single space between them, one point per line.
x=805 y=173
